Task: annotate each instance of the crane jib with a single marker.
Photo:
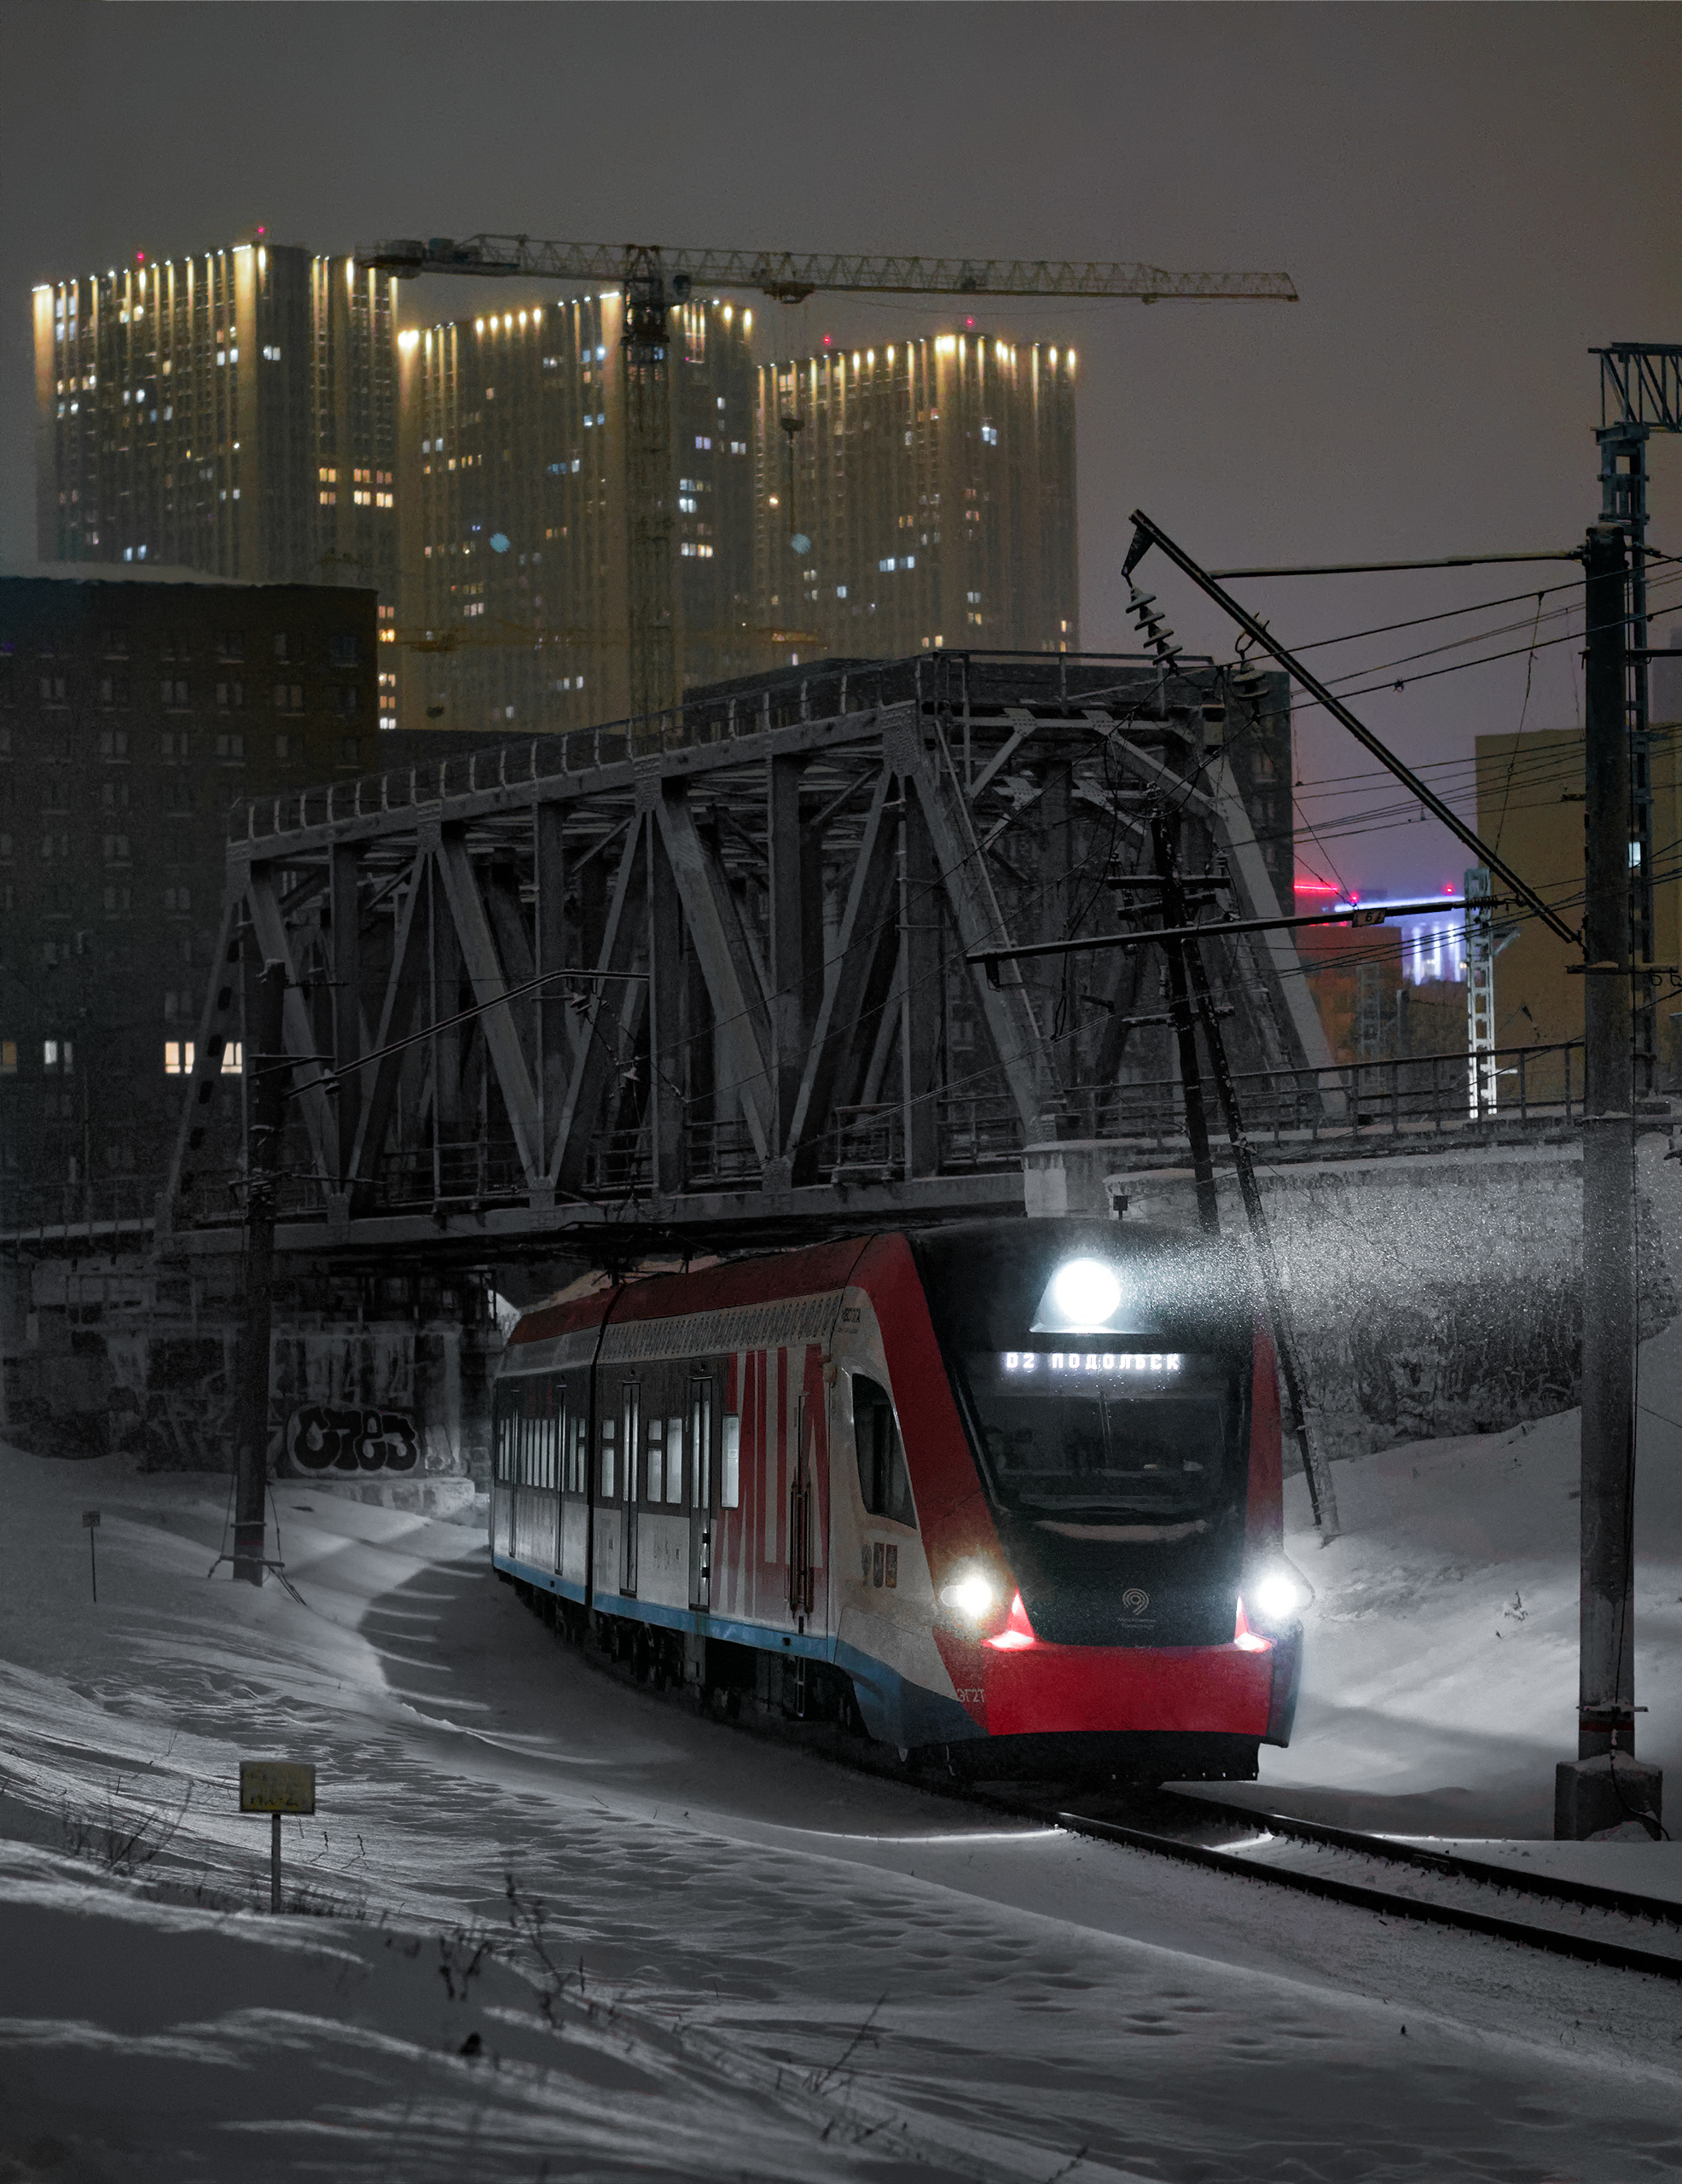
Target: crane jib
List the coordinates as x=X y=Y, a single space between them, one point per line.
x=789 y=276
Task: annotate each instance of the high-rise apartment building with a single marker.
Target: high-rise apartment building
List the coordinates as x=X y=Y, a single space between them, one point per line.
x=513 y=518
x=919 y=495
x=234 y=413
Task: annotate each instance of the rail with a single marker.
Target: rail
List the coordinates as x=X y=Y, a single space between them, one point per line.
x=1617 y=1929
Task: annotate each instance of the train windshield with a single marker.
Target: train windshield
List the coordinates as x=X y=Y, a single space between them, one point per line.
x=1090 y=1433
x=1137 y=1414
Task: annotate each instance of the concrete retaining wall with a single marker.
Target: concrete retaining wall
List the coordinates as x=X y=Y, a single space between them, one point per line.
x=100 y=1358
x=1437 y=1293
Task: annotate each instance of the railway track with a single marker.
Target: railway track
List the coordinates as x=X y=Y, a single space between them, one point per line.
x=1388 y=1874
x=1396 y=1878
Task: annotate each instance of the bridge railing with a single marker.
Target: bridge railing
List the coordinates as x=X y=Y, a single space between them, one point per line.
x=107 y=1207
x=1417 y=1096
x=523 y=761
x=1405 y=1104
x=701 y=717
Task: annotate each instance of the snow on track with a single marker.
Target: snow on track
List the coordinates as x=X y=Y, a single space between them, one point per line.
x=782 y=1956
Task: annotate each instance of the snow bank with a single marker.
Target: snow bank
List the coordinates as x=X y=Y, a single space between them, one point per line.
x=721 y=1957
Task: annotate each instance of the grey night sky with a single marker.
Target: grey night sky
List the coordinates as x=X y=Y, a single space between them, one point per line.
x=1467 y=197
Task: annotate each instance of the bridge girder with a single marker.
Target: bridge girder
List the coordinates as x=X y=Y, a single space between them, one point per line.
x=756 y=1019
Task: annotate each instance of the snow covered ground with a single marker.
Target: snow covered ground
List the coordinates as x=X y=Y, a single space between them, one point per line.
x=544 y=1927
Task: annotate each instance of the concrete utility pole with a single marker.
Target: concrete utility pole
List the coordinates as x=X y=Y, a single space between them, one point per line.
x=265 y=1067
x=1605 y=1785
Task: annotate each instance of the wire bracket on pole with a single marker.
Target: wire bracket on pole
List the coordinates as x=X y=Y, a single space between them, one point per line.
x=1147 y=534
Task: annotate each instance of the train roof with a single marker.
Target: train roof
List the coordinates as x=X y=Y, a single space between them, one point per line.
x=816 y=1269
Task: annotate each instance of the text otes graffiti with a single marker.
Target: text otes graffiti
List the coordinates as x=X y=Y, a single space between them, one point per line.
x=323 y=1437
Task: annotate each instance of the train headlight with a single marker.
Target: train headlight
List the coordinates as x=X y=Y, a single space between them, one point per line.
x=1085 y=1294
x=1278 y=1595
x=973 y=1594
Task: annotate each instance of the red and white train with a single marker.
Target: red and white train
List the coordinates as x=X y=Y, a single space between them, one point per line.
x=1010 y=1489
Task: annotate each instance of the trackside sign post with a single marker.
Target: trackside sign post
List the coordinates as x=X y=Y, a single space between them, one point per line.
x=277 y=1786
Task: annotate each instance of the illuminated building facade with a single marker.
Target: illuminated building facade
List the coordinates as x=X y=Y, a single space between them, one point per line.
x=513 y=509
x=918 y=496
x=1530 y=788
x=234 y=413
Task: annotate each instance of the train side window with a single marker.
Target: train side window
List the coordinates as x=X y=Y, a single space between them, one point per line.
x=654 y=1455
x=883 y=1480
x=579 y=1456
x=674 y=1460
x=607 y=1460
x=730 y=1486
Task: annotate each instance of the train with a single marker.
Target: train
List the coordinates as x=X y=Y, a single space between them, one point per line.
x=1004 y=1494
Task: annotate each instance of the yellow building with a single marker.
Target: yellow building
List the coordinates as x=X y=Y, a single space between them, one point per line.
x=512 y=431
x=1530 y=811
x=919 y=495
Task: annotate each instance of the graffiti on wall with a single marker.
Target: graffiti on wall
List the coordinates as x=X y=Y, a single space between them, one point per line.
x=323 y=1437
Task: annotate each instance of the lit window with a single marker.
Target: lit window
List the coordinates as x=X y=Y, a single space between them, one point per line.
x=703 y=442
x=840 y=592
x=177 y=1057
x=9 y=1057
x=990 y=434
x=232 y=1058
x=58 y=1054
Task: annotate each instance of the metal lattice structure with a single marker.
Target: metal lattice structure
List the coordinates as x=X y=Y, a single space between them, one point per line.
x=750 y=918
x=791 y=275
x=1640 y=394
x=1481 y=953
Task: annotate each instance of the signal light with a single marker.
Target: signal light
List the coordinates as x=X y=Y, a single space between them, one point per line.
x=1017 y=1632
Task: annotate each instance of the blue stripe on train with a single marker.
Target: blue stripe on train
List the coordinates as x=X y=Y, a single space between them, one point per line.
x=895 y=1711
x=547 y=1580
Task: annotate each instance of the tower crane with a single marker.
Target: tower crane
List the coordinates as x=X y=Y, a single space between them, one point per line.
x=654 y=280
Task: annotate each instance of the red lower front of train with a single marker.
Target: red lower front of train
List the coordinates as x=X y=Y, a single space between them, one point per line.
x=1016 y=1685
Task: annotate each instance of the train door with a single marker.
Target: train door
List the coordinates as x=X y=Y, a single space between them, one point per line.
x=698 y=1435
x=809 y=1508
x=607 y=1518
x=572 y=1565
x=505 y=1403
x=631 y=1468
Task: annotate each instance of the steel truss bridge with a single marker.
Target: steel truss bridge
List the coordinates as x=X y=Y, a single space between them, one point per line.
x=698 y=980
